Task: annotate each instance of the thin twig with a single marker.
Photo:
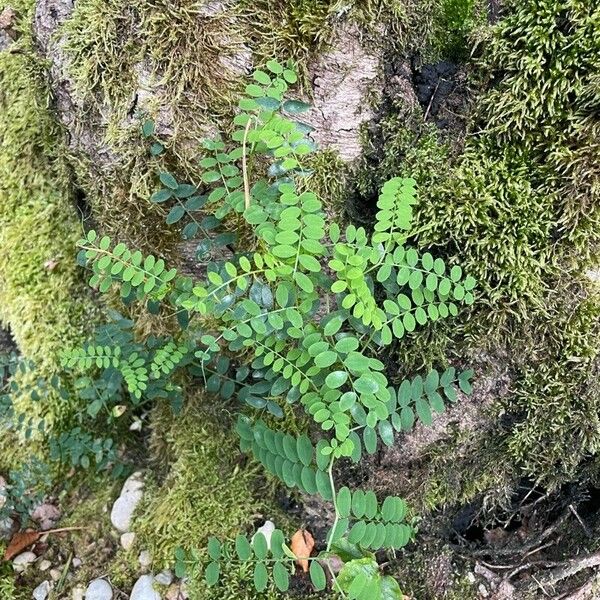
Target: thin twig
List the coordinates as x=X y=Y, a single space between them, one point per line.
x=431 y=99
x=585 y=528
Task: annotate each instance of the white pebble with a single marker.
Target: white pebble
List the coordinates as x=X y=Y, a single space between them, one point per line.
x=23 y=560
x=41 y=591
x=164 y=577
x=99 y=589
x=144 y=590
x=127 y=540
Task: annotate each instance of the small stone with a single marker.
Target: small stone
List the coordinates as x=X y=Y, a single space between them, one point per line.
x=177 y=592
x=44 y=565
x=41 y=591
x=23 y=560
x=56 y=574
x=134 y=483
x=46 y=515
x=123 y=509
x=127 y=540
x=99 y=589
x=483 y=592
x=136 y=425
x=76 y=563
x=7 y=527
x=164 y=577
x=145 y=559
x=144 y=590
x=78 y=593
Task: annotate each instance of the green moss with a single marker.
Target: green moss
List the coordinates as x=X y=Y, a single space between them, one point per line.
x=174 y=64
x=516 y=205
x=329 y=181
x=465 y=466
x=434 y=572
x=43 y=298
x=40 y=285
x=546 y=104
x=8 y=586
x=208 y=490
x=558 y=397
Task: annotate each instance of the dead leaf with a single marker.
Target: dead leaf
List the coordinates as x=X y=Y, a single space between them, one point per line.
x=302 y=545
x=7 y=18
x=24 y=539
x=20 y=541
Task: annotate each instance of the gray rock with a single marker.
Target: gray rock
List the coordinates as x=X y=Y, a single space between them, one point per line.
x=7 y=32
x=99 y=589
x=7 y=527
x=41 y=591
x=145 y=559
x=44 y=565
x=127 y=540
x=164 y=577
x=123 y=509
x=134 y=483
x=23 y=560
x=144 y=590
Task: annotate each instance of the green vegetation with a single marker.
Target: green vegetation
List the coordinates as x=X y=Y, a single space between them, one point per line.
x=268 y=303
x=206 y=490
x=517 y=206
x=514 y=203
x=42 y=298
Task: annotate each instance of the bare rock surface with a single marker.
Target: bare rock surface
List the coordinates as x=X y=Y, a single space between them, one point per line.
x=7 y=32
x=343 y=80
x=491 y=383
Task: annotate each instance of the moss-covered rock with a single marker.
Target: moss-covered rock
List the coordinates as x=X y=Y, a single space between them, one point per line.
x=43 y=298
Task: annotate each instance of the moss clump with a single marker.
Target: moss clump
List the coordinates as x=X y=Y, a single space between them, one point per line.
x=558 y=397
x=8 y=587
x=42 y=296
x=179 y=65
x=517 y=205
x=544 y=56
x=208 y=490
x=433 y=572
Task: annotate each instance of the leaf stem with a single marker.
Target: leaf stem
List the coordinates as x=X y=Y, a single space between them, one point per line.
x=335 y=507
x=245 y=166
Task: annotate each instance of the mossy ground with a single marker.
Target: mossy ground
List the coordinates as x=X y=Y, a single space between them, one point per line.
x=498 y=203
x=517 y=205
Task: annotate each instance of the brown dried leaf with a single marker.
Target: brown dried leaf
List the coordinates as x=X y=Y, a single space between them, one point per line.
x=7 y=18
x=24 y=539
x=302 y=545
x=20 y=541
